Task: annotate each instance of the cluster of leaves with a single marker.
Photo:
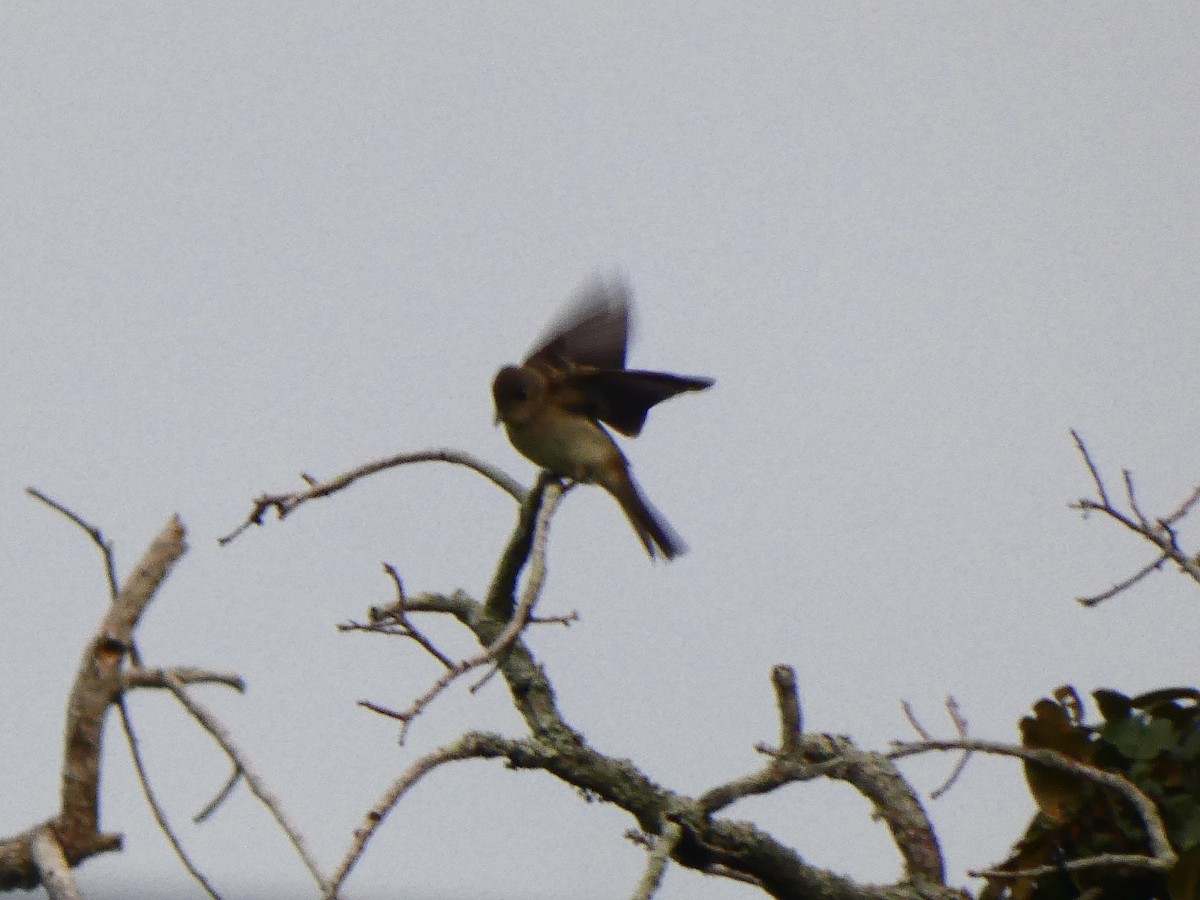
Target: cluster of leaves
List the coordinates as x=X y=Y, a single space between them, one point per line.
x=1153 y=741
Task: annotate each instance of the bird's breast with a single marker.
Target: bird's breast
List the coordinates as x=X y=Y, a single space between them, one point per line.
x=568 y=445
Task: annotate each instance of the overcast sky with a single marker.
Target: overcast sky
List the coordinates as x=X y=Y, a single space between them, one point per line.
x=914 y=244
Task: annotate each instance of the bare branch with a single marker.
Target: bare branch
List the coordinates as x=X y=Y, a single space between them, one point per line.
x=469 y=746
x=53 y=869
x=1123 y=585
x=960 y=727
x=1087 y=458
x=498 y=647
x=535 y=577
x=156 y=809
x=895 y=801
x=656 y=863
x=222 y=795
x=285 y=504
x=210 y=724
x=99 y=682
x=139 y=677
x=91 y=530
x=787 y=699
x=1160 y=533
x=871 y=774
x=1103 y=860
x=501 y=594
x=1156 y=832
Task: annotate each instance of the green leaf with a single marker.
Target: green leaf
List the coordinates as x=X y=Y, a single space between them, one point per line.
x=1141 y=740
x=1190 y=749
x=1183 y=815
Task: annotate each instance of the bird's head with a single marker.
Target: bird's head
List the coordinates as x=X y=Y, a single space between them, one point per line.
x=518 y=392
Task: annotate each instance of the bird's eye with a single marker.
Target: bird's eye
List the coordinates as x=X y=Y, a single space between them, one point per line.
x=520 y=393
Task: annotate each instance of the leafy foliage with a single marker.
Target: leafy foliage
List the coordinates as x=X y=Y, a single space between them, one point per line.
x=1153 y=740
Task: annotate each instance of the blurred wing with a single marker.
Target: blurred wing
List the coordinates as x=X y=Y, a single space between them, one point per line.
x=622 y=398
x=592 y=331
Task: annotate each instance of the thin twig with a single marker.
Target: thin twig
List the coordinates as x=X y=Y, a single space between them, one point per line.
x=1184 y=508
x=91 y=530
x=1114 y=860
x=960 y=728
x=1160 y=533
x=399 y=614
x=210 y=724
x=1087 y=458
x=1156 y=833
x=222 y=795
x=911 y=715
x=140 y=677
x=469 y=746
x=504 y=641
x=285 y=504
x=1124 y=585
x=156 y=809
x=1131 y=496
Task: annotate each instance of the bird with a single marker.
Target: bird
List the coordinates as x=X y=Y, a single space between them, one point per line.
x=554 y=406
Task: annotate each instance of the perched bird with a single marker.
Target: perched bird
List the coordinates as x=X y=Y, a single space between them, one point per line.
x=553 y=404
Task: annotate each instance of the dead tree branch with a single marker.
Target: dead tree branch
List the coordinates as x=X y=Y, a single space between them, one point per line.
x=99 y=682
x=526 y=550
x=1160 y=532
x=703 y=841
x=1162 y=856
x=285 y=504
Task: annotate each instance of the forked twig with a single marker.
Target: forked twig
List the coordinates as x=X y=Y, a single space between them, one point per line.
x=496 y=650
x=1159 y=532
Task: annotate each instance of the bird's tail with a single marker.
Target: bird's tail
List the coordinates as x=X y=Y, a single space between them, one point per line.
x=659 y=538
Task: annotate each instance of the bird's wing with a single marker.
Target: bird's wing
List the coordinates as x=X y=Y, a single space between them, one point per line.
x=620 y=398
x=592 y=331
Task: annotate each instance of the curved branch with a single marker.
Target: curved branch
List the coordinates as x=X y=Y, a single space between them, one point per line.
x=470 y=746
x=1162 y=854
x=285 y=504
x=803 y=757
x=708 y=844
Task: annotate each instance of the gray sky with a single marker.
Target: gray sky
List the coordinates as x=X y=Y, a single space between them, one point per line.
x=913 y=243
